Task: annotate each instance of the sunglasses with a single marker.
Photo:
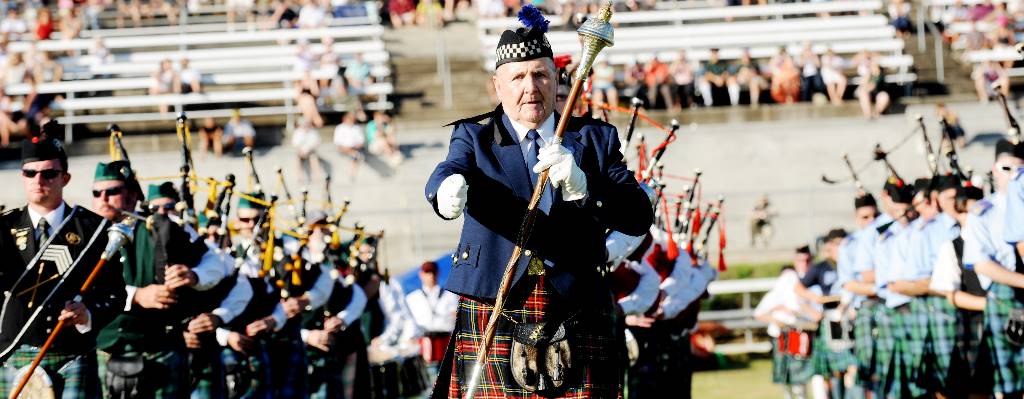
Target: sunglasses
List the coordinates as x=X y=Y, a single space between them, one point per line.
x=157 y=208
x=110 y=192
x=47 y=174
x=1004 y=167
x=247 y=220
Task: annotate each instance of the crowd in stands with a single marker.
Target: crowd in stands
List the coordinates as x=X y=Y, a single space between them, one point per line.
x=785 y=78
x=983 y=26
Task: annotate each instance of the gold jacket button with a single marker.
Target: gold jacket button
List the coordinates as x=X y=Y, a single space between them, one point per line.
x=599 y=204
x=465 y=255
x=528 y=253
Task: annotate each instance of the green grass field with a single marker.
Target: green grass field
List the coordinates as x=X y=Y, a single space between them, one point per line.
x=751 y=382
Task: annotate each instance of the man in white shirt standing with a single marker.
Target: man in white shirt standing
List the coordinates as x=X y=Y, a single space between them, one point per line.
x=433 y=309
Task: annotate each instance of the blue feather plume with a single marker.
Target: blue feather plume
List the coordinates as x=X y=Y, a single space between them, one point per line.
x=532 y=18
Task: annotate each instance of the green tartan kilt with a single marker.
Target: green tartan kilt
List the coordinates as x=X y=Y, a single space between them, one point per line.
x=901 y=335
x=73 y=376
x=941 y=341
x=165 y=376
x=828 y=362
x=1007 y=358
x=864 y=341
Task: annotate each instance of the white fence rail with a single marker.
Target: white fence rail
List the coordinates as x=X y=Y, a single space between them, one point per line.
x=742 y=318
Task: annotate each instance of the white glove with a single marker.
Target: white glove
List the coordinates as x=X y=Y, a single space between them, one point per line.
x=564 y=173
x=451 y=196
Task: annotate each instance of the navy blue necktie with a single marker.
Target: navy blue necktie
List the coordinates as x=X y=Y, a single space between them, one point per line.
x=531 y=160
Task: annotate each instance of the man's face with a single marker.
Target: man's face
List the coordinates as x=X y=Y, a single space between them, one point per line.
x=801 y=262
x=526 y=90
x=366 y=252
x=163 y=206
x=46 y=187
x=247 y=218
x=428 y=279
x=831 y=249
x=924 y=206
x=1005 y=166
x=713 y=57
x=865 y=215
x=947 y=202
x=110 y=197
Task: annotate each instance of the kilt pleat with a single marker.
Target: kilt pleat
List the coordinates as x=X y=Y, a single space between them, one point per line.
x=864 y=342
x=1007 y=358
x=941 y=341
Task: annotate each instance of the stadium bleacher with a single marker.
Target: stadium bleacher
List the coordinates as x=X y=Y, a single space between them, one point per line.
x=849 y=28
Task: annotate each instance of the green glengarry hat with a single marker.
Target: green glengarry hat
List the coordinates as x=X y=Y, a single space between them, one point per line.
x=162 y=190
x=245 y=203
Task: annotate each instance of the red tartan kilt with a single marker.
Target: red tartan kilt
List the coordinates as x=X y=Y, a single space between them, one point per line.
x=593 y=338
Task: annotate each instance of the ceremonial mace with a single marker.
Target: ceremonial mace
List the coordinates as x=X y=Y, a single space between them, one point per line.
x=596 y=34
x=117 y=236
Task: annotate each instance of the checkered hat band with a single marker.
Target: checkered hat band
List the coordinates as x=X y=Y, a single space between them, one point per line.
x=521 y=50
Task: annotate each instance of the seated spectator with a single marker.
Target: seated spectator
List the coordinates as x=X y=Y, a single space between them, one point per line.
x=12 y=119
x=14 y=70
x=190 y=80
x=986 y=75
x=311 y=15
x=44 y=24
x=633 y=80
x=305 y=58
x=13 y=26
x=350 y=140
x=306 y=93
x=715 y=78
x=603 y=89
x=899 y=14
x=656 y=78
x=682 y=81
x=238 y=129
x=981 y=10
x=429 y=11
x=747 y=74
x=489 y=9
x=1002 y=36
x=785 y=88
x=165 y=81
x=832 y=75
x=872 y=95
x=357 y=73
x=381 y=140
x=305 y=140
x=284 y=16
x=811 y=81
x=243 y=8
x=211 y=135
x=93 y=9
x=347 y=9
x=401 y=12
x=48 y=70
x=953 y=128
x=71 y=25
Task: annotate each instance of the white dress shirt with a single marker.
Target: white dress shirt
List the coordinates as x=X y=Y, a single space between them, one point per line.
x=433 y=309
x=546 y=132
x=54 y=219
x=398 y=322
x=946 y=273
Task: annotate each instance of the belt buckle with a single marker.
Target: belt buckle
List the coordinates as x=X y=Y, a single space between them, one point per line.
x=536 y=267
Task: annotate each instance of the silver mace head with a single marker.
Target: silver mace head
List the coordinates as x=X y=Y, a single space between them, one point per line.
x=596 y=34
x=118 y=235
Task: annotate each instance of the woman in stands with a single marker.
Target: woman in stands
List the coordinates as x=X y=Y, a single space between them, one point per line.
x=986 y=75
x=165 y=81
x=832 y=74
x=683 y=79
x=872 y=95
x=785 y=78
x=307 y=91
x=604 y=84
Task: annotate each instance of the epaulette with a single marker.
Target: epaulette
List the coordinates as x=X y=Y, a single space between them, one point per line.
x=476 y=119
x=8 y=212
x=981 y=207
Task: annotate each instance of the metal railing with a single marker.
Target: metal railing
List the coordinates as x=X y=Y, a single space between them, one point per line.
x=742 y=318
x=924 y=23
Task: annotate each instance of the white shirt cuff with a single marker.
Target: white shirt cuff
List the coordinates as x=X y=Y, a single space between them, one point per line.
x=85 y=328
x=226 y=316
x=305 y=335
x=130 y=290
x=222 y=336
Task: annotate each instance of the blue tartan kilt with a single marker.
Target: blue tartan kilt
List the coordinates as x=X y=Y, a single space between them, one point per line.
x=287 y=355
x=864 y=341
x=249 y=375
x=901 y=336
x=74 y=376
x=1007 y=358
